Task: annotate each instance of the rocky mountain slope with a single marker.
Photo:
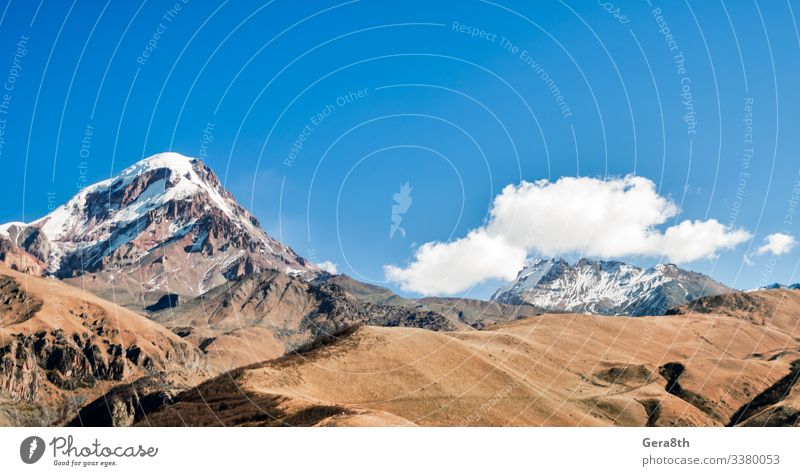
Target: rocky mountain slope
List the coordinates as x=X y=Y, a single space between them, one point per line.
x=695 y=369
x=14 y=256
x=60 y=347
x=605 y=287
x=163 y=225
x=472 y=312
x=264 y=315
x=267 y=315
x=776 y=308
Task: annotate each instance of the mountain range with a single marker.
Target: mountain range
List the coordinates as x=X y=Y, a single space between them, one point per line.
x=707 y=365
x=165 y=231
x=606 y=287
x=136 y=301
x=782 y=286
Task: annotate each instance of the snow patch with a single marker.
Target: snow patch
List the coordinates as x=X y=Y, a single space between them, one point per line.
x=5 y=228
x=603 y=287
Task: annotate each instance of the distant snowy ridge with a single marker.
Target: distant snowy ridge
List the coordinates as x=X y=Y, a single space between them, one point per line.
x=792 y=287
x=605 y=287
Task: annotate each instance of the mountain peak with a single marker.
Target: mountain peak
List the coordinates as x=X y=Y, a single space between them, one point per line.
x=187 y=176
x=165 y=223
x=170 y=160
x=605 y=287
x=147 y=185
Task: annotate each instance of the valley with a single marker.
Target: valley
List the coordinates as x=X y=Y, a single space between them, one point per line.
x=698 y=369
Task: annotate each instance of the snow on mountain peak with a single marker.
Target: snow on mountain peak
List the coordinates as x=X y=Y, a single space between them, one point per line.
x=604 y=287
x=5 y=229
x=792 y=287
x=164 y=160
x=184 y=180
x=164 y=178
x=167 y=212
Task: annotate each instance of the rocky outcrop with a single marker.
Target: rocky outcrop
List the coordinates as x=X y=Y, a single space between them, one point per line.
x=34 y=242
x=18 y=259
x=68 y=362
x=281 y=313
x=338 y=310
x=72 y=363
x=126 y=404
x=16 y=306
x=19 y=371
x=61 y=346
x=166 y=301
x=768 y=307
x=775 y=406
x=749 y=305
x=460 y=312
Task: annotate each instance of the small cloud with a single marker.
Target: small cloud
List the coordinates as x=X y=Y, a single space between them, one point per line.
x=402 y=202
x=777 y=244
x=328 y=266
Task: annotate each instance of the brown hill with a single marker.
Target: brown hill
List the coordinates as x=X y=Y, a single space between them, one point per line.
x=774 y=307
x=265 y=315
x=60 y=346
x=459 y=311
x=477 y=313
x=695 y=369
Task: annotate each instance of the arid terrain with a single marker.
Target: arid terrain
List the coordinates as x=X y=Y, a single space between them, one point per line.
x=61 y=347
x=708 y=368
x=265 y=315
x=154 y=298
x=70 y=357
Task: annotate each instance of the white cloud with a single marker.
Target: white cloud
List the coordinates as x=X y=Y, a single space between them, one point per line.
x=777 y=244
x=452 y=267
x=693 y=240
x=328 y=266
x=604 y=218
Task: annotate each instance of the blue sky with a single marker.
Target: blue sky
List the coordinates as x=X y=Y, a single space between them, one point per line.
x=379 y=94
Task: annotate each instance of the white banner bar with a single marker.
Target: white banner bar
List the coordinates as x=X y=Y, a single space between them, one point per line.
x=401 y=451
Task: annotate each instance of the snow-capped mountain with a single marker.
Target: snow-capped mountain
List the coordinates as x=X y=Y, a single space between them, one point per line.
x=605 y=287
x=165 y=224
x=792 y=287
